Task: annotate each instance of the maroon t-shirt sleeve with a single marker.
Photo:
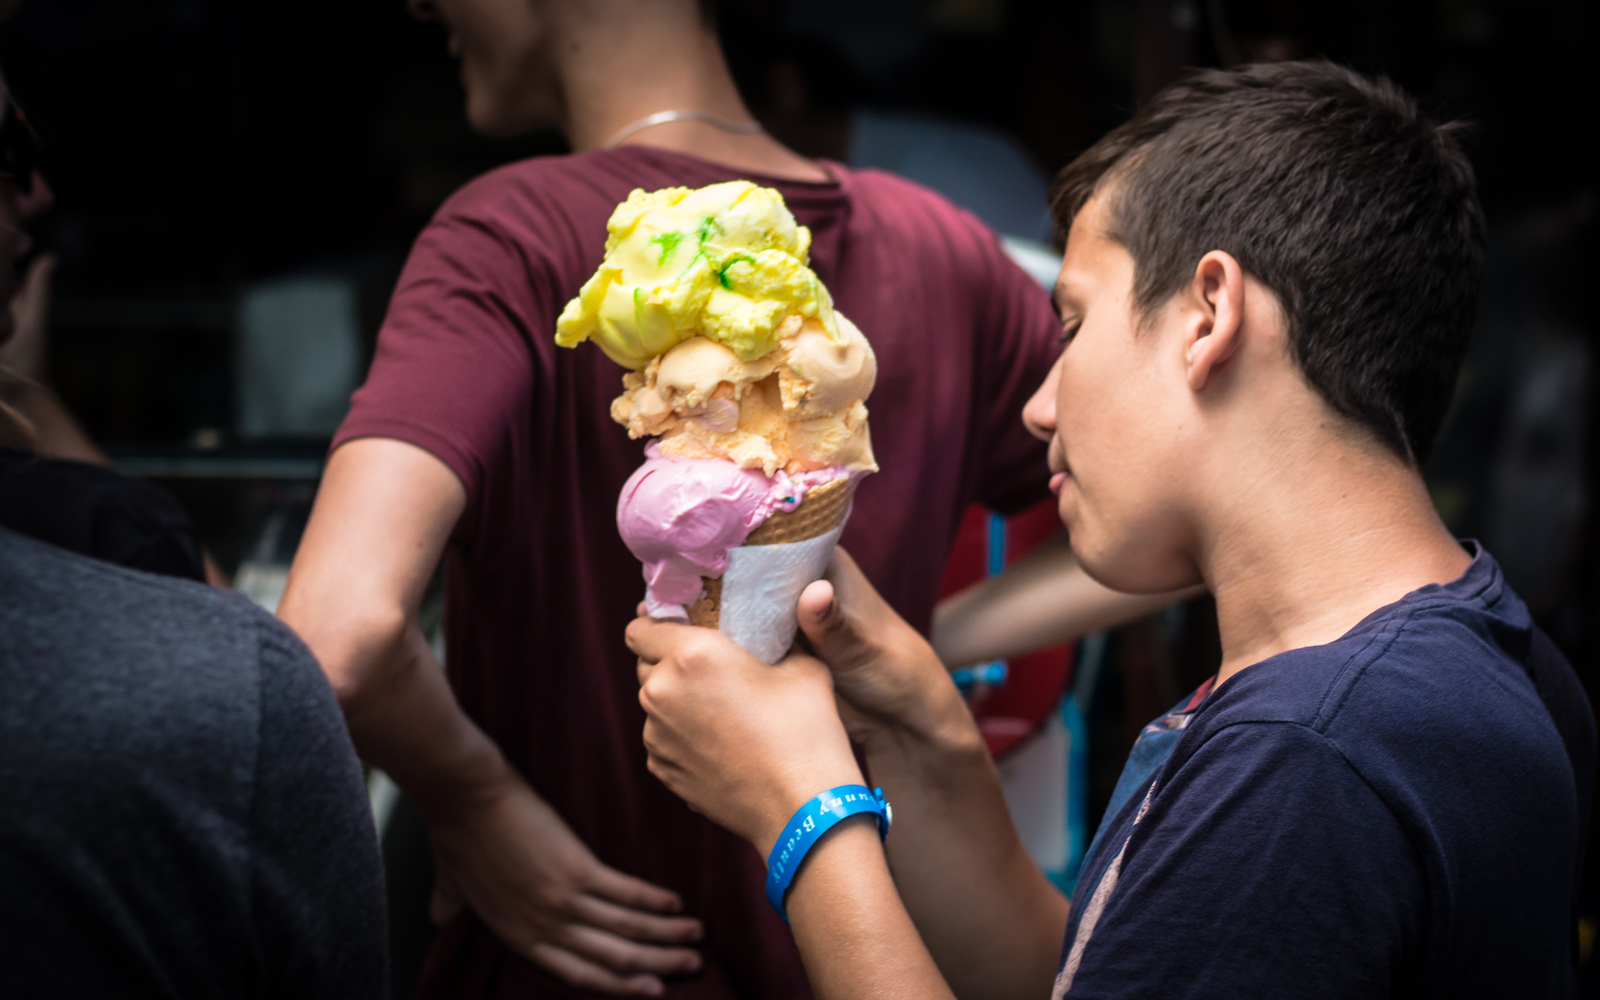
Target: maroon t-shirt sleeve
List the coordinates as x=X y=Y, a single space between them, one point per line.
x=1017 y=344
x=453 y=370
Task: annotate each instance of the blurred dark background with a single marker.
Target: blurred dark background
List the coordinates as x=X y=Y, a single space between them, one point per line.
x=231 y=174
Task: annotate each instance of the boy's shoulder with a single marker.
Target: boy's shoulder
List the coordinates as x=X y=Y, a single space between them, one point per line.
x=1448 y=685
x=1441 y=648
x=1397 y=805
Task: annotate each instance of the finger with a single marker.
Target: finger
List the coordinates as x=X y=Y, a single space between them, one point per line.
x=658 y=762
x=667 y=772
x=632 y=892
x=636 y=925
x=815 y=601
x=834 y=635
x=624 y=957
x=642 y=610
x=652 y=638
x=584 y=974
x=802 y=663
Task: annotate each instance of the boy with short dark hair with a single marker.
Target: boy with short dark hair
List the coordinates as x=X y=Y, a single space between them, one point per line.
x=1269 y=282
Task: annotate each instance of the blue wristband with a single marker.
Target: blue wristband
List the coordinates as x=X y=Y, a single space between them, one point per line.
x=815 y=818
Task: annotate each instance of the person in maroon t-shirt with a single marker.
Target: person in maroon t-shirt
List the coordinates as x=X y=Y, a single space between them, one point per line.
x=562 y=865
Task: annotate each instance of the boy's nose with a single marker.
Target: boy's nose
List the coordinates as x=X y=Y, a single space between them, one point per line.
x=1040 y=413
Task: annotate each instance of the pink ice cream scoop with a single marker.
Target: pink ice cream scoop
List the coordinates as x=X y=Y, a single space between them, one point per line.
x=680 y=516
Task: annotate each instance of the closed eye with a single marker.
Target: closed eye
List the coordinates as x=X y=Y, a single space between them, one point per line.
x=1068 y=331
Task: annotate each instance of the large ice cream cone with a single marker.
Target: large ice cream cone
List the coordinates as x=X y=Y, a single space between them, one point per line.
x=752 y=389
x=823 y=509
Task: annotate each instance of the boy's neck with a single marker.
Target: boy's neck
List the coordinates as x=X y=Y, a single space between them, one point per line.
x=1308 y=545
x=612 y=78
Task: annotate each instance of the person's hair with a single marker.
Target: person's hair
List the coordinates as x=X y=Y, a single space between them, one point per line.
x=1331 y=188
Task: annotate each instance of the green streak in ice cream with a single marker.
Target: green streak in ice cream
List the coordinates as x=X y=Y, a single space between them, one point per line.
x=726 y=262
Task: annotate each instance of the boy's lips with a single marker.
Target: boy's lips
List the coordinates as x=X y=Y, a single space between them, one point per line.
x=1060 y=471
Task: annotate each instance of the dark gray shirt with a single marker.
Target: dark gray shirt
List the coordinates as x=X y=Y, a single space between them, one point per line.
x=181 y=812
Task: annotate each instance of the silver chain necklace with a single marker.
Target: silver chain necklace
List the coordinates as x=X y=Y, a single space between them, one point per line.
x=662 y=117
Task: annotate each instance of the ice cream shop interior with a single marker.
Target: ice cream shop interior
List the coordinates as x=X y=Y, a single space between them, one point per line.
x=633 y=381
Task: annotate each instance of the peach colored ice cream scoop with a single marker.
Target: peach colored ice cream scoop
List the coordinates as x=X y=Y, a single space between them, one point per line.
x=797 y=408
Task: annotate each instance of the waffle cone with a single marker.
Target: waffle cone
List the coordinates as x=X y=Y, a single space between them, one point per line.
x=819 y=513
x=707 y=611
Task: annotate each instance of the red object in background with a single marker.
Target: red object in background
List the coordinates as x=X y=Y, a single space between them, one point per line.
x=1035 y=683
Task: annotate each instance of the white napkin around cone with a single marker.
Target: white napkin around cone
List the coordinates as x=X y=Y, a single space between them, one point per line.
x=761 y=587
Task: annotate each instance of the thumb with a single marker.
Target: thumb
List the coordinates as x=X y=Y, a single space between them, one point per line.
x=833 y=635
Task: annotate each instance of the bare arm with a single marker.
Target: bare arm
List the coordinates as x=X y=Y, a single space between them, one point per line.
x=989 y=917
x=854 y=935
x=1042 y=601
x=382 y=516
x=381 y=520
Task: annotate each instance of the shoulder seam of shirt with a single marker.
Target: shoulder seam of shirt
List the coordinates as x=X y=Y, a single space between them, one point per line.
x=1396 y=628
x=1393 y=628
x=1325 y=714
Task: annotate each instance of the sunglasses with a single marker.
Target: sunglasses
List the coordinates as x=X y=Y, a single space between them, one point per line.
x=19 y=148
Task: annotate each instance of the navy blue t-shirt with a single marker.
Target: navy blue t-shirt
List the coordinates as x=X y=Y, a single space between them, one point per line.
x=1397 y=813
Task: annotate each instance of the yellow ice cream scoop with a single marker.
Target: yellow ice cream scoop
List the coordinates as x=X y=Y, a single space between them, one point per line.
x=726 y=262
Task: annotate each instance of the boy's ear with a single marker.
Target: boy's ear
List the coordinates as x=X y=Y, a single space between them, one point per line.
x=1216 y=297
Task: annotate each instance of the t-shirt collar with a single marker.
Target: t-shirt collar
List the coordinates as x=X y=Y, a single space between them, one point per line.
x=811 y=194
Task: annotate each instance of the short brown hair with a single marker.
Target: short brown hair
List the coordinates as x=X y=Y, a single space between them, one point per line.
x=1335 y=191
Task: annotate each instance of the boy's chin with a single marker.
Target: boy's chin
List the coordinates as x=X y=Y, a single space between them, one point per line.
x=1120 y=557
x=1127 y=565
